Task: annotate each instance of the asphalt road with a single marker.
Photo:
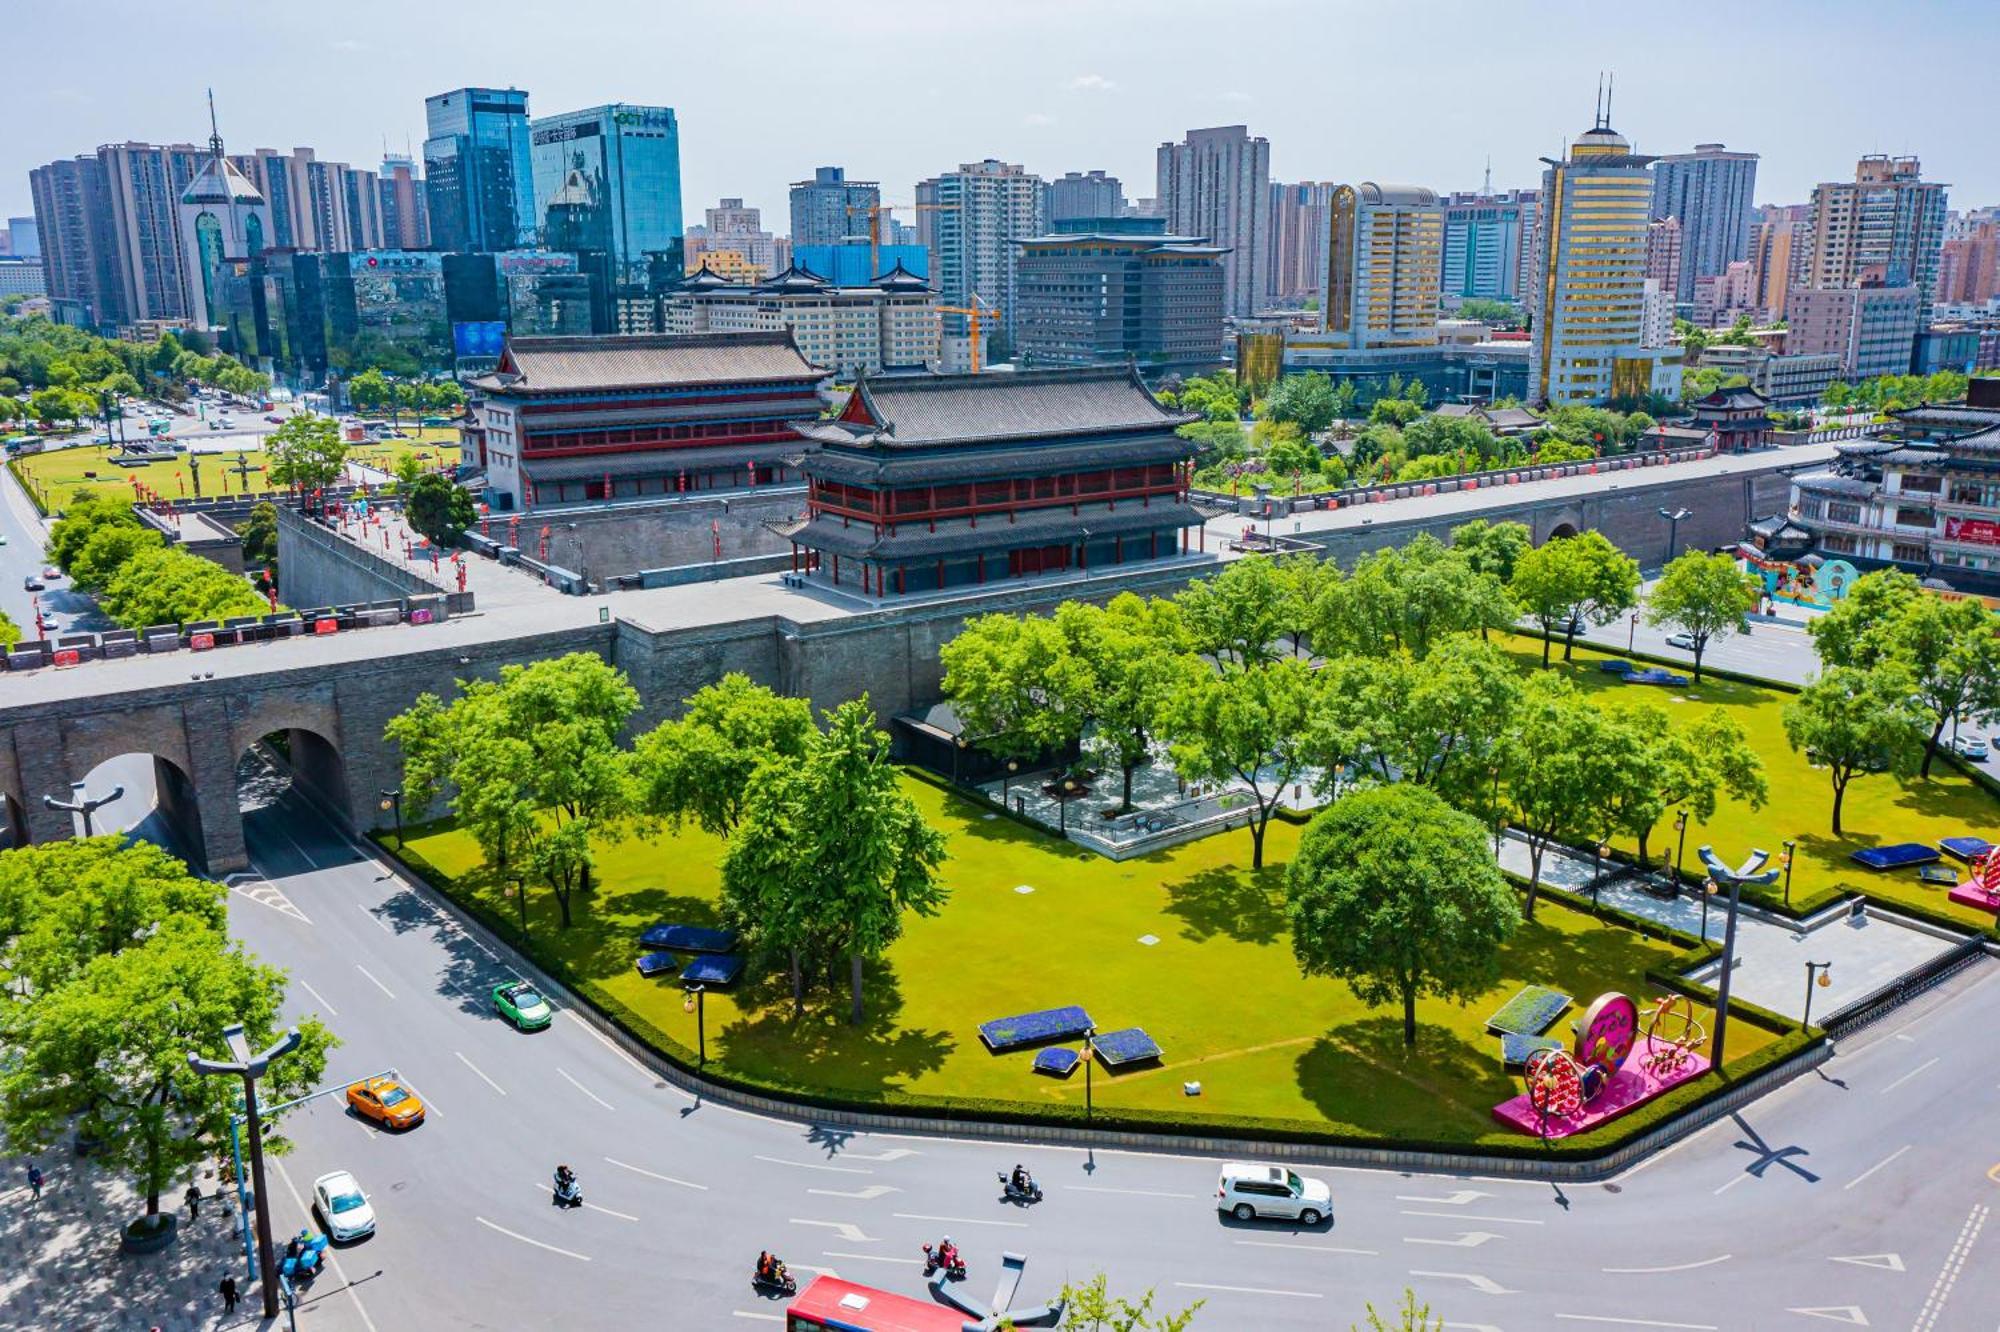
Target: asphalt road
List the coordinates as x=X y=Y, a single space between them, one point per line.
x=1858 y=1197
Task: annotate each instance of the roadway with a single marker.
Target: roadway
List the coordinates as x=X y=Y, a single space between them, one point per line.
x=1856 y=1197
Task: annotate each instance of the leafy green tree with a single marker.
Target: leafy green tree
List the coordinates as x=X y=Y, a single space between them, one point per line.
x=439 y=508
x=1409 y=598
x=1853 y=720
x=831 y=853
x=1091 y=1307
x=1019 y=689
x=699 y=766
x=1238 y=616
x=1558 y=450
x=1429 y=722
x=1309 y=581
x=307 y=451
x=1668 y=767
x=166 y=585
x=109 y=1046
x=1305 y=400
x=107 y=550
x=260 y=536
x=1394 y=410
x=1555 y=763
x=82 y=517
x=1134 y=653
x=1254 y=725
x=1492 y=548
x=1704 y=596
x=1215 y=441
x=1395 y=892
x=1572 y=580
x=1412 y=1317
x=10 y=633
x=64 y=903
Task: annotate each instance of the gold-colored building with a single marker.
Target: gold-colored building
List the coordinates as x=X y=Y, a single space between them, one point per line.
x=1384 y=259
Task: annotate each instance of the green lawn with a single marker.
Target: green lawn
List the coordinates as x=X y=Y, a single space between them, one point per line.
x=1219 y=990
x=57 y=474
x=1879 y=808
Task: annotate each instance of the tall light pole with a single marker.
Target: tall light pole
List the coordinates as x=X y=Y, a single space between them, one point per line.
x=1825 y=970
x=393 y=799
x=1674 y=518
x=250 y=1067
x=1680 y=847
x=1728 y=961
x=1790 y=847
x=1089 y=1058
x=697 y=1003
x=79 y=803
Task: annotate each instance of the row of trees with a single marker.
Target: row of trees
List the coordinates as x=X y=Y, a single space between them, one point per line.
x=371 y=391
x=68 y=369
x=1887 y=393
x=120 y=964
x=139 y=579
x=825 y=851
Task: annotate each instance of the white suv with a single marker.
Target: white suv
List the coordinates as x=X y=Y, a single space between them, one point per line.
x=1247 y=1191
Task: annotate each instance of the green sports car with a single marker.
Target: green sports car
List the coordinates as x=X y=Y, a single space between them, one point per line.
x=523 y=1005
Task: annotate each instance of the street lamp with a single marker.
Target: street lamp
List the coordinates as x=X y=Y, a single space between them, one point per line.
x=1786 y=861
x=393 y=799
x=1680 y=846
x=1065 y=793
x=250 y=1067
x=1089 y=1058
x=1728 y=960
x=1013 y=766
x=957 y=748
x=1674 y=518
x=697 y=1004
x=1597 y=871
x=1632 y=631
x=79 y=803
x=1825 y=970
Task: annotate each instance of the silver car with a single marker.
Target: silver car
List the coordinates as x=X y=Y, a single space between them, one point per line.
x=1247 y=1191
x=342 y=1206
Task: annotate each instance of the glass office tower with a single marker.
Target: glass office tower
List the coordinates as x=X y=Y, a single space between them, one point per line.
x=482 y=193
x=608 y=180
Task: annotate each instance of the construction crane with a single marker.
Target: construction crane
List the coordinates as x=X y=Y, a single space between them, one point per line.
x=875 y=212
x=974 y=314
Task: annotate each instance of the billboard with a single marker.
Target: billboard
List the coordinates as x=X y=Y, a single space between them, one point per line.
x=1980 y=530
x=478 y=339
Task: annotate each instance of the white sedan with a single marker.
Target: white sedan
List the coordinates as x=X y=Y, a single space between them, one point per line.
x=342 y=1206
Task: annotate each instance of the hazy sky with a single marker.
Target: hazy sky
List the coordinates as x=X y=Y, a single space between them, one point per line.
x=1394 y=90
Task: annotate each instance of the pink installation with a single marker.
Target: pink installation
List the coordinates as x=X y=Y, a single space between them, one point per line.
x=1652 y=1069
x=1975 y=893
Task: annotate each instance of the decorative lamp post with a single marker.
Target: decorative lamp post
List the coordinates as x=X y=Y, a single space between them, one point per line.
x=250 y=1067
x=1089 y=1058
x=1632 y=631
x=393 y=799
x=1012 y=767
x=1786 y=861
x=1680 y=847
x=1674 y=519
x=1752 y=870
x=1597 y=871
x=1825 y=979
x=697 y=1004
x=1064 y=794
x=1707 y=891
x=78 y=802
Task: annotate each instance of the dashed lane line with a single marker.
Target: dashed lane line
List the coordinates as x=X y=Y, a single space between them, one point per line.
x=542 y=1187
x=760 y=1317
x=1877 y=1166
x=510 y=1234
x=814 y=1165
x=1308 y=1248
x=1677 y=1267
x=664 y=1179
x=371 y=976
x=872 y=1258
x=1954 y=1263
x=1635 y=1322
x=1911 y=1074
x=1252 y=1290
x=331 y=1011
x=382 y=924
x=585 y=1090
x=1468 y=1216
x=482 y=1077
x=1134 y=1193
x=959 y=1220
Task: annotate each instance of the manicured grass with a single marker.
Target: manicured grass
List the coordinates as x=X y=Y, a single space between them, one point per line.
x=1219 y=990
x=1879 y=809
x=55 y=475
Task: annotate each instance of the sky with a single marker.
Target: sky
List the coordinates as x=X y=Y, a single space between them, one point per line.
x=1420 y=91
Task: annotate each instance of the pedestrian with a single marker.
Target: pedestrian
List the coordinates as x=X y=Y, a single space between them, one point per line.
x=193 y=1200
x=229 y=1296
x=35 y=1178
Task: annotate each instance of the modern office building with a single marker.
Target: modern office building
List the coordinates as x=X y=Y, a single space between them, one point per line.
x=981 y=211
x=1075 y=196
x=1298 y=239
x=1780 y=244
x=1787 y=379
x=1486 y=250
x=1885 y=225
x=608 y=180
x=79 y=248
x=1939 y=347
x=1112 y=297
x=574 y=419
x=222 y=217
x=1711 y=192
x=330 y=207
x=847 y=263
x=404 y=204
x=479 y=169
x=1872 y=329
x=888 y=325
x=830 y=208
x=21 y=276
x=1217 y=183
x=1590 y=334
x=732 y=228
x=1069 y=469
x=1663 y=255
x=144 y=183
x=1385 y=246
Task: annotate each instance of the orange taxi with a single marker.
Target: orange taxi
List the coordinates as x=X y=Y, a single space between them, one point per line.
x=387 y=1102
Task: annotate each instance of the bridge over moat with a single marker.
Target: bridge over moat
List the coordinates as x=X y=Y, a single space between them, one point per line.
x=331 y=697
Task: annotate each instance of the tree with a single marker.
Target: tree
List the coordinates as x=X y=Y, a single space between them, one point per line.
x=368 y=391
x=1133 y=651
x=1428 y=722
x=107 y=550
x=1308 y=580
x=1505 y=314
x=1853 y=720
x=81 y=519
x=1572 y=580
x=64 y=903
x=1019 y=689
x=1394 y=410
x=1492 y=548
x=1559 y=450
x=1091 y=1307
x=831 y=853
x=306 y=451
x=1409 y=598
x=1396 y=893
x=110 y=1046
x=1254 y=725
x=1704 y=596
x=260 y=536
x=1664 y=767
x=1238 y=616
x=10 y=633
x=1306 y=401
x=700 y=765
x=439 y=508
x=1412 y=1317
x=166 y=585
x=1554 y=765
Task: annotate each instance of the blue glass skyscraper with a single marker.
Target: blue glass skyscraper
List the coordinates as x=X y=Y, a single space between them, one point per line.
x=609 y=180
x=482 y=193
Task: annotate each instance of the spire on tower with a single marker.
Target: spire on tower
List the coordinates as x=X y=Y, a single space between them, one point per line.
x=1487 y=192
x=214 y=133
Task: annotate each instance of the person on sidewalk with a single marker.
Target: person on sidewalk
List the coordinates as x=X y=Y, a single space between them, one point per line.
x=193 y=1200
x=229 y=1296
x=35 y=1179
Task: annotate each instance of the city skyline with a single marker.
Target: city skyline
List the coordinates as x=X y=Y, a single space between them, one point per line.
x=1105 y=102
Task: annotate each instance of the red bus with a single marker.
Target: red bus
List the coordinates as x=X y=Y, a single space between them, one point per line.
x=848 y=1306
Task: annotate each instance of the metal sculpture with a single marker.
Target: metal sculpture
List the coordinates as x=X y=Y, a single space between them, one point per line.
x=1555 y=1085
x=1673 y=1034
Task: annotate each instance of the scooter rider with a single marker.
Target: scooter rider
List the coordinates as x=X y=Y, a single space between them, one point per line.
x=947 y=1253
x=1022 y=1181
x=565 y=1180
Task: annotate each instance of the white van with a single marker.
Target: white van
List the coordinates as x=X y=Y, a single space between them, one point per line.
x=1247 y=1191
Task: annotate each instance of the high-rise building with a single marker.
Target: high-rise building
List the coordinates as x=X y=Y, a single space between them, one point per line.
x=1589 y=339
x=1887 y=224
x=1079 y=196
x=1780 y=243
x=23 y=241
x=222 y=218
x=886 y=325
x=406 y=220
x=734 y=229
x=327 y=207
x=1109 y=297
x=1969 y=265
x=829 y=208
x=1657 y=321
x=1384 y=249
x=144 y=183
x=79 y=248
x=1722 y=298
x=981 y=210
x=1871 y=328
x=1711 y=191
x=478 y=166
x=1298 y=239
x=1486 y=251
x=1217 y=183
x=1663 y=255
x=609 y=181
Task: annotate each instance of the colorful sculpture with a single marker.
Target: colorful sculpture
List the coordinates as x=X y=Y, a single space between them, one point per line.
x=1673 y=1034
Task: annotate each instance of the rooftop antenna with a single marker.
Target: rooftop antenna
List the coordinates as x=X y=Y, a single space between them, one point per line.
x=1488 y=191
x=214 y=133
x=1610 y=87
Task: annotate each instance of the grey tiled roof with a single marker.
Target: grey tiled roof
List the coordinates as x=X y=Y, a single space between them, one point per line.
x=1836 y=485
x=648 y=360
x=949 y=409
x=883 y=467
x=1042 y=527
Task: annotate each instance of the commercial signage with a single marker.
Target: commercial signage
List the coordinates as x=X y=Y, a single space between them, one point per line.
x=478 y=338
x=1981 y=531
x=649 y=118
x=564 y=133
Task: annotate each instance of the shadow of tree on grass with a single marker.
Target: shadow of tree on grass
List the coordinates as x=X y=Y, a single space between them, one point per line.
x=1248 y=906
x=819 y=1050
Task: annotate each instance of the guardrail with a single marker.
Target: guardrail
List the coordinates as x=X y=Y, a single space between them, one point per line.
x=1873 y=1007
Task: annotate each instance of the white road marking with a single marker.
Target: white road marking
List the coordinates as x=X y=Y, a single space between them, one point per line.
x=331 y=1011
x=1459 y=1199
x=869 y=1194
x=893 y=1154
x=371 y=976
x=873 y=1258
x=1733 y=1182
x=1836 y=1313
x=1471 y=1239
x=1135 y=1193
x=849 y=1232
x=332 y=1259
x=268 y=894
x=1911 y=1074
x=1677 y=1267
x=1486 y=1285
x=482 y=1077
x=760 y=1317
x=542 y=1187
x=369 y=912
x=585 y=1090
x=813 y=1165
x=1635 y=1322
x=1252 y=1290
x=1877 y=1166
x=608 y=1044
x=1308 y=1248
x=567 y=1253
x=1954 y=1263
x=1467 y=1216
x=959 y=1220
x=664 y=1179
x=1888 y=1262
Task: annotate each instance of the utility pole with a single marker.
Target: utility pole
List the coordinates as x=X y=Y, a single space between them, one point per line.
x=250 y=1067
